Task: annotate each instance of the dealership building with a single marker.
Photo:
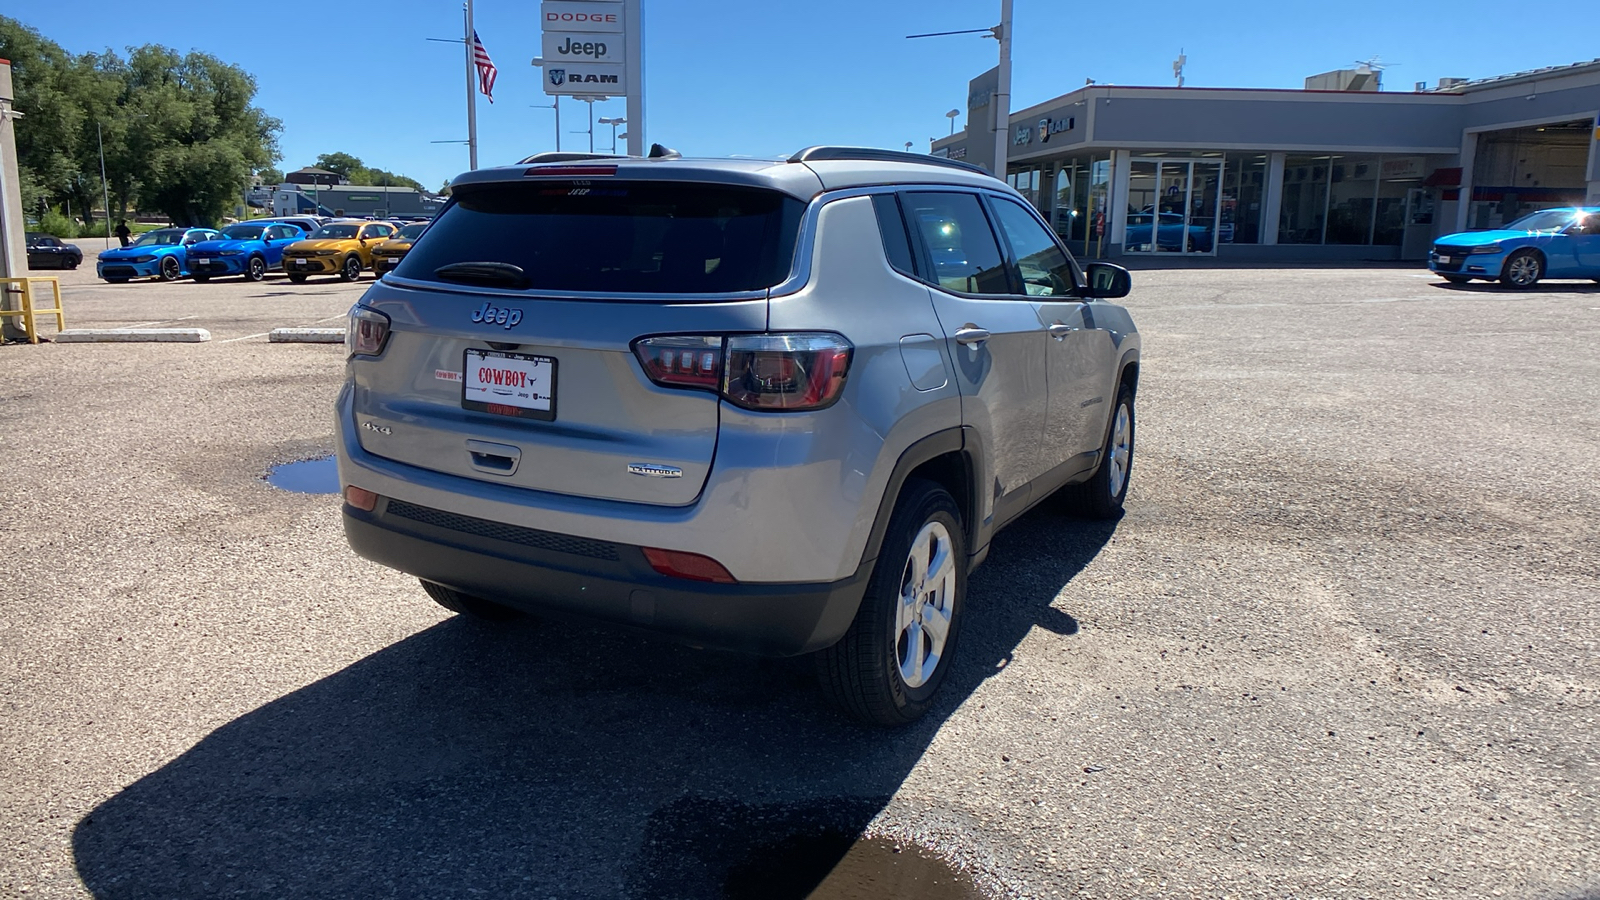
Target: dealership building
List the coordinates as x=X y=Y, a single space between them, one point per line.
x=1338 y=171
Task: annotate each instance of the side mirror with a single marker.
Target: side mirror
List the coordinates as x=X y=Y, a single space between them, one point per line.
x=1107 y=281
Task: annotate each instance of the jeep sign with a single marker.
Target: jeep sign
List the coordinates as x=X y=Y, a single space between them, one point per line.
x=562 y=47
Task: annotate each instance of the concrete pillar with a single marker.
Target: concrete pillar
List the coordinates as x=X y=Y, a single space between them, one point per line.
x=1469 y=158
x=13 y=237
x=1272 y=198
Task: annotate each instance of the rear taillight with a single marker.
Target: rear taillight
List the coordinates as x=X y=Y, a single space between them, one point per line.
x=779 y=372
x=366 y=332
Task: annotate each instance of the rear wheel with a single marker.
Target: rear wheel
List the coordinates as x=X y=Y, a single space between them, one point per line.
x=170 y=269
x=468 y=605
x=1101 y=497
x=889 y=665
x=1457 y=279
x=351 y=269
x=296 y=278
x=255 y=269
x=72 y=262
x=1523 y=270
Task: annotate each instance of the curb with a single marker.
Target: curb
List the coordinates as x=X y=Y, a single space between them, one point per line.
x=306 y=336
x=131 y=335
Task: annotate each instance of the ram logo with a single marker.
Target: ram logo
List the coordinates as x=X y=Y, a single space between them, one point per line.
x=558 y=77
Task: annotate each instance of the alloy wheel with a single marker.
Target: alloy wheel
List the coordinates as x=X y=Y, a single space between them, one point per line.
x=1523 y=270
x=1121 y=451
x=927 y=604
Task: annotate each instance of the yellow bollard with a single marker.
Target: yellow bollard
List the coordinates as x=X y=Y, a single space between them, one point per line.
x=28 y=312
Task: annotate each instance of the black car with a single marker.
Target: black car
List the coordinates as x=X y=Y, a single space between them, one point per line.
x=50 y=252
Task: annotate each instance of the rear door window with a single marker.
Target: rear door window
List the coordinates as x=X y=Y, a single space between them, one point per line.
x=617 y=237
x=957 y=243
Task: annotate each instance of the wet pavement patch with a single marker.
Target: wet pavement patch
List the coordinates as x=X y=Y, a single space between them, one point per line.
x=310 y=476
x=702 y=848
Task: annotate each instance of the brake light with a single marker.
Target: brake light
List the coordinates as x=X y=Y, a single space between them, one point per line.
x=366 y=332
x=781 y=372
x=692 y=566
x=786 y=371
x=570 y=171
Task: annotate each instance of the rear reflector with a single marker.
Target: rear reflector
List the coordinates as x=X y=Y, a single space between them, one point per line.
x=693 y=566
x=360 y=498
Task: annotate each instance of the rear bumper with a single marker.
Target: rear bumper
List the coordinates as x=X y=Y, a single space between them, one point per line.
x=581 y=578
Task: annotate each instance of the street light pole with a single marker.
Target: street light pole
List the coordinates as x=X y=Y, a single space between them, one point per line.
x=105 y=186
x=613 y=121
x=1002 y=95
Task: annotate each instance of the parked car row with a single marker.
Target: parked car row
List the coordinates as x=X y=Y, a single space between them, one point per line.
x=300 y=246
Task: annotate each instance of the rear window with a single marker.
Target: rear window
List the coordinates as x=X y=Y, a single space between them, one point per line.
x=621 y=237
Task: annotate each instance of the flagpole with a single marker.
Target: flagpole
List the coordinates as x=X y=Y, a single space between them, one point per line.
x=472 y=97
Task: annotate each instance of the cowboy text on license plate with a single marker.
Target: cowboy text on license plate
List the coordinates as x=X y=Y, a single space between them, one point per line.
x=509 y=384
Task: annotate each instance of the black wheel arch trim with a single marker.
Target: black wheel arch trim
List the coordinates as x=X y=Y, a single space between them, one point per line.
x=960 y=440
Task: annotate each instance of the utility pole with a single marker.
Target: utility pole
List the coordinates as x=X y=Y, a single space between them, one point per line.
x=1002 y=94
x=105 y=186
x=472 y=96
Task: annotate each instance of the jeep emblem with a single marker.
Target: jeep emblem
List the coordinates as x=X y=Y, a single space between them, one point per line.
x=497 y=315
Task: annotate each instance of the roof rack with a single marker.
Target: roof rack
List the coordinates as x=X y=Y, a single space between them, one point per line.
x=550 y=156
x=874 y=154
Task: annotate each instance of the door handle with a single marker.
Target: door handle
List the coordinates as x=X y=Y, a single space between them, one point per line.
x=1060 y=330
x=970 y=334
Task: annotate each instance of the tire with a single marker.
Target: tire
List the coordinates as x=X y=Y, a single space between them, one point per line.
x=71 y=264
x=351 y=270
x=871 y=673
x=468 y=605
x=1102 y=496
x=200 y=279
x=297 y=279
x=1522 y=270
x=255 y=269
x=170 y=269
x=1457 y=279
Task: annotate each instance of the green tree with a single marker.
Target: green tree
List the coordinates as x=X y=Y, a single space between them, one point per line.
x=271 y=175
x=342 y=163
x=180 y=134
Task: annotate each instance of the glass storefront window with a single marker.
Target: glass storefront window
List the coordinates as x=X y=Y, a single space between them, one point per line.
x=1305 y=200
x=1352 y=191
x=1389 y=226
x=1099 y=205
x=1243 y=184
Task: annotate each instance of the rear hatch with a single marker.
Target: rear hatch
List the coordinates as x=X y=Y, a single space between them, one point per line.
x=510 y=358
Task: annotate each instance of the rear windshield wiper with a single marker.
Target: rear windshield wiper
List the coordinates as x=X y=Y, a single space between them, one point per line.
x=490 y=273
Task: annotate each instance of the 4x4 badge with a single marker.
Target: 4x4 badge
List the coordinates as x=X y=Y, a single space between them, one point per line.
x=650 y=470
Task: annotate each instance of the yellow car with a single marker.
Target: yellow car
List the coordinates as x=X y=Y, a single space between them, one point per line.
x=340 y=248
x=389 y=253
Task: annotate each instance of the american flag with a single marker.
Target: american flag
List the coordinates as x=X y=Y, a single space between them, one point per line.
x=486 y=69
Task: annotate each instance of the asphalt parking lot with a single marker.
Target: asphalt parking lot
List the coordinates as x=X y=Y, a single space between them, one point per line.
x=1345 y=643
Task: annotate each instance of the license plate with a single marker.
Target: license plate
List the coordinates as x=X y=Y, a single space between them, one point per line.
x=202 y=262
x=1445 y=260
x=509 y=384
x=300 y=263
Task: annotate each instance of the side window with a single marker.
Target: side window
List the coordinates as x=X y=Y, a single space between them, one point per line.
x=1045 y=268
x=957 y=243
x=896 y=243
x=1591 y=225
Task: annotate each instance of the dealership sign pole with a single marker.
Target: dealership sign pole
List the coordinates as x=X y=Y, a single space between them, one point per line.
x=594 y=50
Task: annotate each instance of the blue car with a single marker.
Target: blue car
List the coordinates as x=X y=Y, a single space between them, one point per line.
x=248 y=249
x=1551 y=243
x=1169 y=236
x=156 y=254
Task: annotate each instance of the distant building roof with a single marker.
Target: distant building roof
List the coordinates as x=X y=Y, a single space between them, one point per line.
x=1513 y=77
x=314 y=175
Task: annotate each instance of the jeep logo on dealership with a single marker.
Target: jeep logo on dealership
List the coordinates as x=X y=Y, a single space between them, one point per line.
x=596 y=49
x=497 y=315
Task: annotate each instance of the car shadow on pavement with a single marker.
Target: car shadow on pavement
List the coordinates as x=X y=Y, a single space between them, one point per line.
x=545 y=760
x=1497 y=289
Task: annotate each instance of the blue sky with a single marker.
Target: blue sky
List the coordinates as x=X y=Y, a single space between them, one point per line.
x=726 y=77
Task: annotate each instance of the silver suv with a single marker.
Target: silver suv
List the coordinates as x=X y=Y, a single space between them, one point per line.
x=770 y=406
